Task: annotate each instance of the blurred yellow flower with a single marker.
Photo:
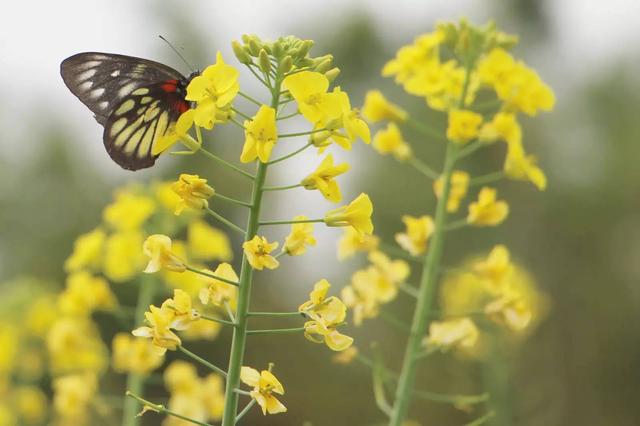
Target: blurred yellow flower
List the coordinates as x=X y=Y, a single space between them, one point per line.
x=74 y=344
x=510 y=311
x=30 y=404
x=418 y=231
x=391 y=141
x=299 y=238
x=411 y=60
x=181 y=308
x=208 y=243
x=261 y=135
x=377 y=108
x=487 y=211
x=353 y=241
x=213 y=91
x=87 y=251
x=165 y=195
x=361 y=297
x=463 y=126
x=193 y=192
x=457 y=191
x=73 y=395
x=123 y=256
x=9 y=340
x=323 y=179
x=85 y=294
x=503 y=126
x=217 y=292
x=520 y=166
x=158 y=248
x=129 y=211
x=264 y=384
x=451 y=334
x=257 y=250
x=357 y=215
x=201 y=330
x=346 y=356
x=395 y=272
x=132 y=355
x=496 y=269
x=41 y=313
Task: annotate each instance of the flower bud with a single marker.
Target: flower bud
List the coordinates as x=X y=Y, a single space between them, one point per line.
x=265 y=63
x=324 y=65
x=254 y=47
x=240 y=52
x=285 y=65
x=332 y=74
x=305 y=46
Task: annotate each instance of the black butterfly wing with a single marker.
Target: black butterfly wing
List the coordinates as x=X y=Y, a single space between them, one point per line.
x=102 y=80
x=140 y=119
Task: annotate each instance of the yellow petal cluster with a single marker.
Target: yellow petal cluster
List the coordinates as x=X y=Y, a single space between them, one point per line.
x=452 y=334
x=217 y=292
x=463 y=126
x=457 y=191
x=131 y=355
x=416 y=236
x=299 y=238
x=258 y=251
x=193 y=192
x=357 y=215
x=265 y=385
x=158 y=248
x=488 y=210
x=323 y=179
x=390 y=141
x=353 y=241
x=261 y=135
x=378 y=108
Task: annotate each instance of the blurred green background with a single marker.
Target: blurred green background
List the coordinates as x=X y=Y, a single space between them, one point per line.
x=580 y=239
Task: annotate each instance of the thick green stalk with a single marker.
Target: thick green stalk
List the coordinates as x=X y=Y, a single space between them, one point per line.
x=425 y=297
x=135 y=382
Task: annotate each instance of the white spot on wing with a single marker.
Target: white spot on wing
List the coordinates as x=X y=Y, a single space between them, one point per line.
x=115 y=73
x=97 y=93
x=104 y=105
x=86 y=86
x=86 y=75
x=126 y=89
x=88 y=64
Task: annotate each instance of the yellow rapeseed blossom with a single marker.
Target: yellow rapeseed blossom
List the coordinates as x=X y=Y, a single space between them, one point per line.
x=73 y=395
x=351 y=121
x=159 y=320
x=9 y=340
x=213 y=90
x=87 y=251
x=181 y=377
x=180 y=306
x=208 y=243
x=319 y=307
x=123 y=256
x=510 y=311
x=178 y=132
x=257 y=250
x=357 y=215
x=309 y=89
x=361 y=296
x=264 y=384
x=451 y=334
x=395 y=272
x=323 y=179
x=128 y=211
x=463 y=126
x=132 y=355
x=30 y=404
x=390 y=141
x=40 y=314
x=217 y=292
x=85 y=294
x=158 y=248
x=377 y=108
x=74 y=344
x=520 y=166
x=346 y=356
x=327 y=333
x=261 y=135
x=163 y=192
x=412 y=60
x=415 y=239
x=193 y=192
x=497 y=269
x=353 y=241
x=487 y=211
x=299 y=238
x=503 y=126
x=201 y=329
x=457 y=191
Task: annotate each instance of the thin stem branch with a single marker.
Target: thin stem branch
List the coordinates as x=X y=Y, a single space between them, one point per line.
x=161 y=409
x=423 y=168
x=470 y=148
x=249 y=98
x=456 y=225
x=245 y=410
x=227 y=222
x=426 y=130
x=284 y=117
x=232 y=200
x=226 y=163
x=241 y=114
x=257 y=76
x=451 y=399
x=290 y=222
x=281 y=188
x=237 y=123
x=390 y=319
x=215 y=277
x=293 y=135
x=287 y=156
x=487 y=179
x=398 y=252
x=275 y=314
x=408 y=289
x=482 y=419
x=218 y=320
x=202 y=361
x=276 y=331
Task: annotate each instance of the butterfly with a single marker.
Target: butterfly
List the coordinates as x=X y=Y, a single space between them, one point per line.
x=136 y=100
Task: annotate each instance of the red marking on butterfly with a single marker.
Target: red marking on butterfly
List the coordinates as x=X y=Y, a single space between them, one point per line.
x=169 y=86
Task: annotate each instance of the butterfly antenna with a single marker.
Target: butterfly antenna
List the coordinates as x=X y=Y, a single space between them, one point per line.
x=177 y=52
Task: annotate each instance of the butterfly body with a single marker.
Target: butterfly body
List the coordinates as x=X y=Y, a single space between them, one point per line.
x=136 y=100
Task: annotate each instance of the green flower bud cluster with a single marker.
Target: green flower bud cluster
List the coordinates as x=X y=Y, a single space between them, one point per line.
x=469 y=42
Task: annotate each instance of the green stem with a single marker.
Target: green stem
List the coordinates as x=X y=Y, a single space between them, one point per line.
x=470 y=148
x=496 y=378
x=249 y=98
x=245 y=410
x=487 y=179
x=215 y=277
x=482 y=419
x=290 y=222
x=225 y=221
x=274 y=314
x=398 y=252
x=285 y=157
x=202 y=361
x=135 y=382
x=284 y=117
x=237 y=123
x=226 y=163
x=451 y=399
x=408 y=289
x=276 y=331
x=241 y=114
x=423 y=168
x=456 y=225
x=218 y=320
x=425 y=130
x=260 y=79
x=161 y=409
x=232 y=200
x=281 y=188
x=293 y=135
x=394 y=321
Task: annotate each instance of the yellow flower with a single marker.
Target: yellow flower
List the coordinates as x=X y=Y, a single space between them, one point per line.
x=73 y=395
x=362 y=297
x=319 y=307
x=264 y=386
x=309 y=89
x=129 y=211
x=87 y=251
x=176 y=133
x=463 y=126
x=261 y=135
x=202 y=330
x=390 y=141
x=496 y=269
x=181 y=377
x=411 y=61
x=166 y=197
x=208 y=243
x=213 y=396
x=193 y=192
x=158 y=248
x=504 y=126
x=41 y=313
x=182 y=311
x=510 y=311
x=357 y=215
x=160 y=321
x=520 y=166
x=123 y=257
x=85 y=293
x=457 y=191
x=74 y=344
x=377 y=108
x=392 y=273
x=213 y=90
x=321 y=332
x=131 y=355
x=449 y=334
x=299 y=238
x=30 y=404
x=353 y=241
x=217 y=292
x=351 y=121
x=323 y=179
x=346 y=356
x=487 y=211
x=257 y=251
x=419 y=229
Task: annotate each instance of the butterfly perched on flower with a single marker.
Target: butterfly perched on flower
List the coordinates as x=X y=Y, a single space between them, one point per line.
x=137 y=101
